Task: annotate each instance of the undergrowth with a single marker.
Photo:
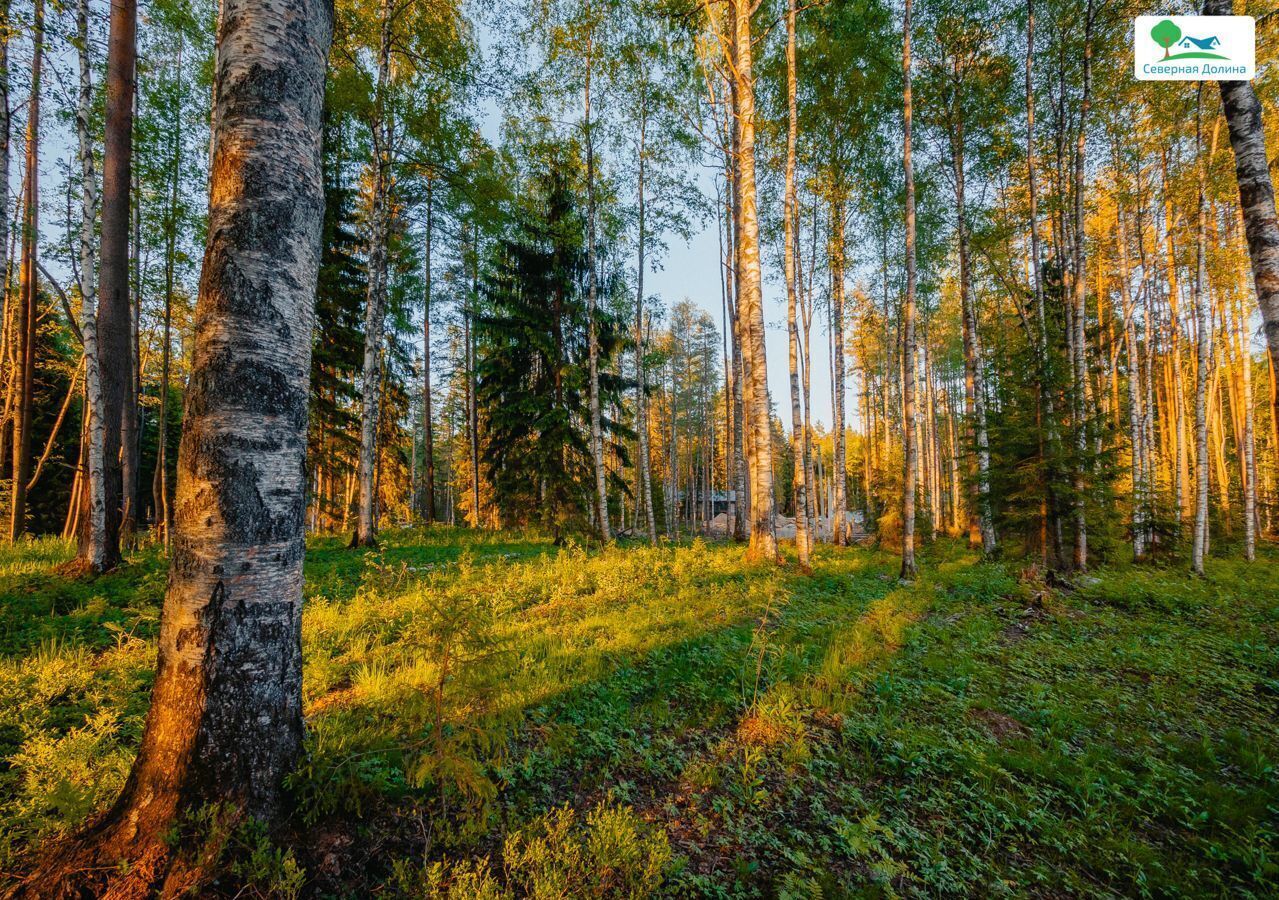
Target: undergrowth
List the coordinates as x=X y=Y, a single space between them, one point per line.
x=492 y=716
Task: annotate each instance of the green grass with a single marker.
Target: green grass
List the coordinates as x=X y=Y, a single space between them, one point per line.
x=489 y=716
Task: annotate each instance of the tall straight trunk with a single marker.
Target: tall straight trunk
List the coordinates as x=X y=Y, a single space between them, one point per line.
x=375 y=297
x=1181 y=452
x=472 y=403
x=160 y=485
x=428 y=434
x=1248 y=449
x=5 y=150
x=910 y=448
x=28 y=290
x=789 y=221
x=805 y=359
x=740 y=486
x=1256 y=197
x=644 y=502
x=90 y=485
x=592 y=300
x=1203 y=322
x=763 y=541
x=1043 y=401
x=132 y=425
x=115 y=317
x=981 y=516
x=1080 y=318
x=1136 y=439
x=225 y=724
x=839 y=521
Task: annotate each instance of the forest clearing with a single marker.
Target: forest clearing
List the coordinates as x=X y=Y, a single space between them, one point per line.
x=638 y=448
x=712 y=727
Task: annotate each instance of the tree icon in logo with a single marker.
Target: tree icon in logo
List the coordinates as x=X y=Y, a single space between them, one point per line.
x=1166 y=33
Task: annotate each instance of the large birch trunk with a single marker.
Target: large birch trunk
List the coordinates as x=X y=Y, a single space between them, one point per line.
x=225 y=723
x=92 y=553
x=1256 y=197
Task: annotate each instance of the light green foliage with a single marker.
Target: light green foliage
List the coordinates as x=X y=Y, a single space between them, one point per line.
x=513 y=718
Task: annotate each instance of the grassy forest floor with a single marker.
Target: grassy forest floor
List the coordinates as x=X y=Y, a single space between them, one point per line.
x=490 y=716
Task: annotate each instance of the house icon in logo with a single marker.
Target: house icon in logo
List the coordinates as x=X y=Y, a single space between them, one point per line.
x=1209 y=43
x=1166 y=34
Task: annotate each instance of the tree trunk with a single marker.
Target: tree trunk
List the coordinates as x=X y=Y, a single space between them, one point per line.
x=981 y=528
x=1256 y=196
x=428 y=434
x=790 y=238
x=1079 y=341
x=763 y=542
x=592 y=299
x=910 y=449
x=160 y=486
x=839 y=519
x=1203 y=321
x=644 y=502
x=225 y=723
x=375 y=302
x=115 y=318
x=28 y=290
x=1140 y=501
x=90 y=487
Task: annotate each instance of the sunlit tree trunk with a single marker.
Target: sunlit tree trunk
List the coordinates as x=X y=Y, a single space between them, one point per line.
x=90 y=487
x=1140 y=499
x=910 y=445
x=789 y=221
x=28 y=290
x=115 y=317
x=225 y=723
x=1204 y=345
x=763 y=542
x=839 y=519
x=375 y=298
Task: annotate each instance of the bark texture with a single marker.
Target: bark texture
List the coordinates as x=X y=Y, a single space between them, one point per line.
x=763 y=542
x=799 y=442
x=1256 y=196
x=225 y=723
x=115 y=319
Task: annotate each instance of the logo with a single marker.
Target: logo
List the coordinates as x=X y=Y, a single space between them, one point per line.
x=1194 y=48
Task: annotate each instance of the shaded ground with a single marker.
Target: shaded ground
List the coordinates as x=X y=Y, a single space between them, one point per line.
x=490 y=716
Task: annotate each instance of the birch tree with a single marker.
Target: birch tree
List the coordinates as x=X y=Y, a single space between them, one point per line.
x=225 y=723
